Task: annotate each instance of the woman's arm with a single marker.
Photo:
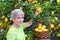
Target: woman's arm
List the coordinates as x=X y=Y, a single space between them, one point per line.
x=29 y=23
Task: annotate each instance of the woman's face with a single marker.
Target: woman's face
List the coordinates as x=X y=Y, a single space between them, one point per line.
x=19 y=19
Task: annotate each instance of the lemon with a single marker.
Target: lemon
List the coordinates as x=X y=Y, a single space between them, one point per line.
x=36 y=29
x=6 y=19
x=21 y=8
x=56 y=18
x=59 y=24
x=52 y=12
x=44 y=26
x=51 y=25
x=43 y=29
x=39 y=24
x=58 y=1
x=29 y=0
x=35 y=5
x=10 y=19
x=3 y=17
x=39 y=9
x=58 y=34
x=39 y=27
x=40 y=31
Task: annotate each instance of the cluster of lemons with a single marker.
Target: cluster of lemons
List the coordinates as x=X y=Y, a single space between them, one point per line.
x=58 y=34
x=37 y=0
x=41 y=28
x=52 y=26
x=5 y=20
x=39 y=9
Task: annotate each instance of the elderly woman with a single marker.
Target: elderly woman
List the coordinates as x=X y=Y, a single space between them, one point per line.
x=16 y=31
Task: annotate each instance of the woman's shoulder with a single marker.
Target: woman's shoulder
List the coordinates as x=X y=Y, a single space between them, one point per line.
x=11 y=30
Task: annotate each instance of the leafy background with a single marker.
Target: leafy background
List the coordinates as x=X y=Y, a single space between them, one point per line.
x=50 y=14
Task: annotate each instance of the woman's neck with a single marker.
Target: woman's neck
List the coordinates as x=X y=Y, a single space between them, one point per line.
x=15 y=25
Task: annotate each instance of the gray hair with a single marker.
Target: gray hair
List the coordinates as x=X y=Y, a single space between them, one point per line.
x=16 y=12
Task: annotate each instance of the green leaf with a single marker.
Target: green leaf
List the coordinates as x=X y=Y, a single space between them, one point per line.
x=1 y=4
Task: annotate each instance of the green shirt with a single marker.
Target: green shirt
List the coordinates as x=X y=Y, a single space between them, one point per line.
x=16 y=33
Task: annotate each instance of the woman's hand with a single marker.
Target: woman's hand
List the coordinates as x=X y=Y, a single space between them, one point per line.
x=36 y=12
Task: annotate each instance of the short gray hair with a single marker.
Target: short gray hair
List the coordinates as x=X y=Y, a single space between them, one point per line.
x=16 y=12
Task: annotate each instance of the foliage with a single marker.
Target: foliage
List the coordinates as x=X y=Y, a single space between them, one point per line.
x=49 y=14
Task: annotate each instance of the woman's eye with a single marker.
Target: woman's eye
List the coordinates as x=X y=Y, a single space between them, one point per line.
x=22 y=17
x=18 y=17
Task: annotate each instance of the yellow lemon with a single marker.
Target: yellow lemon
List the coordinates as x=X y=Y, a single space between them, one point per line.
x=21 y=8
x=39 y=27
x=36 y=29
x=58 y=1
x=59 y=25
x=30 y=0
x=40 y=31
x=58 y=34
x=52 y=12
x=56 y=18
x=6 y=19
x=44 y=26
x=3 y=17
x=43 y=29
x=51 y=25
x=39 y=24
x=35 y=5
x=39 y=9
x=10 y=19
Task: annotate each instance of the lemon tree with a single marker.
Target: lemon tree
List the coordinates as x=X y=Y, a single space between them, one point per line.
x=48 y=18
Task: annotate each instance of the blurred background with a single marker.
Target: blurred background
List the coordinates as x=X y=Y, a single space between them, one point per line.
x=47 y=22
